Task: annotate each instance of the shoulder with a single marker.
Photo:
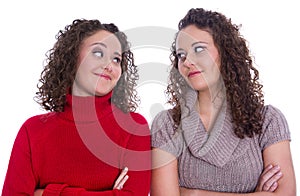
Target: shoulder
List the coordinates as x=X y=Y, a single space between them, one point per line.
x=275 y=127
x=164 y=134
x=38 y=124
x=132 y=123
x=162 y=127
x=139 y=118
x=163 y=118
x=34 y=125
x=39 y=119
x=128 y=118
x=273 y=115
x=271 y=109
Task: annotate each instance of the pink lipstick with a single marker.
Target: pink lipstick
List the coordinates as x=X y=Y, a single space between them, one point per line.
x=194 y=73
x=104 y=76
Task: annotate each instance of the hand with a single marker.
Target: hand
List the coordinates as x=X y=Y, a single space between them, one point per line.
x=121 y=179
x=268 y=180
x=38 y=192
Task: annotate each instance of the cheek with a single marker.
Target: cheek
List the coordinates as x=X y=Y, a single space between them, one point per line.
x=118 y=72
x=181 y=69
x=213 y=75
x=81 y=70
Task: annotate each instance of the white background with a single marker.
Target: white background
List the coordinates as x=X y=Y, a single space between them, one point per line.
x=28 y=30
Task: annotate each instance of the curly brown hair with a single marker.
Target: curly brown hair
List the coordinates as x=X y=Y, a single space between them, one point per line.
x=243 y=90
x=60 y=70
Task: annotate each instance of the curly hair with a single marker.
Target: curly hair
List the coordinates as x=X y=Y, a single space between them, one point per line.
x=241 y=79
x=59 y=72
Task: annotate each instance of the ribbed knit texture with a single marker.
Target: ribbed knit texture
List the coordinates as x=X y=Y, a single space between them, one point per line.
x=218 y=160
x=81 y=151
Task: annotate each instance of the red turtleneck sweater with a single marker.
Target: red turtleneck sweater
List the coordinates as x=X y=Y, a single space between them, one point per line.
x=80 y=151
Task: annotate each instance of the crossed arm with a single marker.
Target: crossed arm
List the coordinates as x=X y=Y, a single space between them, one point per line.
x=273 y=181
x=119 y=183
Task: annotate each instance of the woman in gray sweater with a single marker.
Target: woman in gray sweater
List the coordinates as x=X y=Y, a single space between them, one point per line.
x=219 y=138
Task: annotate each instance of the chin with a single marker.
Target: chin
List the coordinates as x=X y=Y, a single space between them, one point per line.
x=198 y=87
x=102 y=92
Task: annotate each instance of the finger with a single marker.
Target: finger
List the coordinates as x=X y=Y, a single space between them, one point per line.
x=266 y=169
x=122 y=182
x=38 y=192
x=262 y=179
x=269 y=174
x=121 y=176
x=273 y=187
x=269 y=183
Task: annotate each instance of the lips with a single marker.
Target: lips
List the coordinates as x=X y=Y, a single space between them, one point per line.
x=193 y=73
x=105 y=76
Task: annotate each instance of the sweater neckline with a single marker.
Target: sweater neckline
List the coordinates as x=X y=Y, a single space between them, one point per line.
x=217 y=147
x=86 y=109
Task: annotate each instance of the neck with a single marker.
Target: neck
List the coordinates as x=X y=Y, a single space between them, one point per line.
x=210 y=99
x=209 y=104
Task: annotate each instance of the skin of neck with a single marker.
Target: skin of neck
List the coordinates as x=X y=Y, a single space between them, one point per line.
x=209 y=104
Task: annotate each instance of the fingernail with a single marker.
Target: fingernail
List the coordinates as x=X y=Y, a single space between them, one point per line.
x=126 y=169
x=279 y=173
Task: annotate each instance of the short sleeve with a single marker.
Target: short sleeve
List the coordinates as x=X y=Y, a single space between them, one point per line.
x=164 y=136
x=275 y=127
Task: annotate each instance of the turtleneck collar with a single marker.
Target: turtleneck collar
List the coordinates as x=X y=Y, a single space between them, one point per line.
x=86 y=109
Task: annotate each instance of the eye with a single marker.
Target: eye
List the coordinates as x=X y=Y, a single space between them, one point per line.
x=181 y=56
x=117 y=60
x=198 y=49
x=98 y=53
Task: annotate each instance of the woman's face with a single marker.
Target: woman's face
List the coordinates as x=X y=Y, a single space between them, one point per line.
x=99 y=65
x=198 y=58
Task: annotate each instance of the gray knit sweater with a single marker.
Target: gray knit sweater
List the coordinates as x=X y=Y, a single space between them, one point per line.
x=218 y=160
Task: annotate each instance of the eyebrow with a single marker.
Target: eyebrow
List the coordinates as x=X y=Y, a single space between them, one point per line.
x=99 y=43
x=193 y=44
x=179 y=49
x=105 y=46
x=199 y=42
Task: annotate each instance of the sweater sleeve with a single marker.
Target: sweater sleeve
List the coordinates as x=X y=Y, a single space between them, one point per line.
x=65 y=190
x=164 y=136
x=275 y=127
x=137 y=157
x=20 y=178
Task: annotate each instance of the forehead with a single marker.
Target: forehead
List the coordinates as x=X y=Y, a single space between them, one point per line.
x=105 y=37
x=192 y=34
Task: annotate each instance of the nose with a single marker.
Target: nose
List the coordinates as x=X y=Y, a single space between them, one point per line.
x=108 y=67
x=188 y=63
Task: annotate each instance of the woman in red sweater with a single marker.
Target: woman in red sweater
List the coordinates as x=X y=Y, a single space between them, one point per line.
x=91 y=142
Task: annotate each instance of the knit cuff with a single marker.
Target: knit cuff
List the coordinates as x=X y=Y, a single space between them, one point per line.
x=54 y=189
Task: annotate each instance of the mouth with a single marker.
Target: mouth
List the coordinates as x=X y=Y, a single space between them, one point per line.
x=193 y=73
x=105 y=76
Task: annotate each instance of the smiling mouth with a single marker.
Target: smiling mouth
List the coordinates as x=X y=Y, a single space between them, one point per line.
x=104 y=76
x=194 y=73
